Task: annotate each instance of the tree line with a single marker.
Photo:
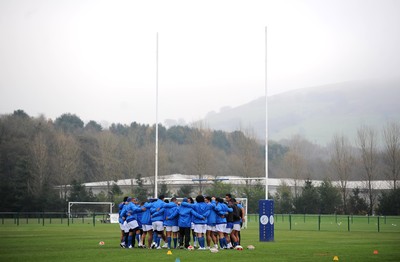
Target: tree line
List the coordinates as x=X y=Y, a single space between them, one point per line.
x=39 y=157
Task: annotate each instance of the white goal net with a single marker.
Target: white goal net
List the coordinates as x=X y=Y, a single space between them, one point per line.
x=87 y=208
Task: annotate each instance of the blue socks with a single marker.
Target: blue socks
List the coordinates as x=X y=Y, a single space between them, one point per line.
x=169 y=242
x=130 y=238
x=201 y=241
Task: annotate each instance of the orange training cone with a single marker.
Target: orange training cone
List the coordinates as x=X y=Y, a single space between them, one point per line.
x=335 y=258
x=375 y=252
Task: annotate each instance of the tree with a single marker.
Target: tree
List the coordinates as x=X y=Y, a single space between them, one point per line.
x=391 y=135
x=184 y=191
x=308 y=202
x=16 y=132
x=329 y=198
x=254 y=193
x=140 y=191
x=220 y=141
x=163 y=190
x=357 y=205
x=66 y=161
x=201 y=152
x=389 y=203
x=342 y=161
x=129 y=149
x=79 y=193
x=283 y=199
x=218 y=189
x=40 y=165
x=295 y=162
x=109 y=160
x=367 y=141
x=248 y=151
x=69 y=122
x=93 y=126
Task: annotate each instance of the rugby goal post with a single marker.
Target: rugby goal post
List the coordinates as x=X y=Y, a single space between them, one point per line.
x=70 y=204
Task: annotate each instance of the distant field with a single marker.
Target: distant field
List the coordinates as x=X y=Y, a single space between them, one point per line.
x=79 y=242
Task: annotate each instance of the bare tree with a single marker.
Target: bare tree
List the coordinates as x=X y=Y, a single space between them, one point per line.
x=391 y=135
x=109 y=160
x=40 y=158
x=129 y=150
x=249 y=154
x=201 y=151
x=67 y=152
x=295 y=162
x=367 y=142
x=342 y=161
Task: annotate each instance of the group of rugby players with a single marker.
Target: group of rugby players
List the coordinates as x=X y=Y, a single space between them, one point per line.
x=211 y=221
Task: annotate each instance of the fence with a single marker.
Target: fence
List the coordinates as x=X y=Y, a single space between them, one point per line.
x=48 y=218
x=333 y=222
x=282 y=221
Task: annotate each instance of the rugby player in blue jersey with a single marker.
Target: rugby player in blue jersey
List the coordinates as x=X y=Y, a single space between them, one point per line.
x=146 y=225
x=129 y=213
x=211 y=223
x=124 y=236
x=200 y=225
x=157 y=219
x=171 y=224
x=222 y=211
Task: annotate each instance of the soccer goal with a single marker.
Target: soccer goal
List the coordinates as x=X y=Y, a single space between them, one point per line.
x=89 y=207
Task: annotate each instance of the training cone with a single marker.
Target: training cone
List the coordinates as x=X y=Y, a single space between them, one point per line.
x=169 y=252
x=335 y=258
x=375 y=252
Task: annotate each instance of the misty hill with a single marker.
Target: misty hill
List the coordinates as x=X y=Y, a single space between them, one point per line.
x=317 y=113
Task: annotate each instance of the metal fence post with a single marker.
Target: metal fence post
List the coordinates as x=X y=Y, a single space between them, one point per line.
x=94 y=219
x=319 y=222
x=290 y=222
x=348 y=223
x=379 y=230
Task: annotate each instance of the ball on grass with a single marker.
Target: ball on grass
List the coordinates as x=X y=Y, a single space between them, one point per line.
x=101 y=243
x=214 y=250
x=190 y=248
x=250 y=247
x=238 y=247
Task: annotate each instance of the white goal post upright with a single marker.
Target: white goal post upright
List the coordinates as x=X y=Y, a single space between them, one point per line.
x=70 y=204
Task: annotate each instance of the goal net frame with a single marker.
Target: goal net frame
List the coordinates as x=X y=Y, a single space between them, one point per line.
x=70 y=204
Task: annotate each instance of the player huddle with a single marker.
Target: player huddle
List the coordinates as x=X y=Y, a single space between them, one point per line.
x=212 y=221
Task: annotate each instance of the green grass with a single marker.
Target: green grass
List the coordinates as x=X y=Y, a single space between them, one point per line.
x=79 y=242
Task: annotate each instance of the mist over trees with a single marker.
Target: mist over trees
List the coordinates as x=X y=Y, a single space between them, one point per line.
x=40 y=157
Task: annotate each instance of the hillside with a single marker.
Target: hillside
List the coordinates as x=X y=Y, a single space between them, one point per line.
x=317 y=113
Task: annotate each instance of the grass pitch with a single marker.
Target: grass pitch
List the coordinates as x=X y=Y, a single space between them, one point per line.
x=80 y=242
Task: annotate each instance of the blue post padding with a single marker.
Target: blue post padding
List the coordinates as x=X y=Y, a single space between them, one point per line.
x=266 y=220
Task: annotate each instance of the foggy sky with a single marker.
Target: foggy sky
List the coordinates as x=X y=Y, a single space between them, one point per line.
x=97 y=59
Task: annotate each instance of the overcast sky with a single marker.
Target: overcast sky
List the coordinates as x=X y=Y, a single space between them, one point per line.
x=97 y=59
